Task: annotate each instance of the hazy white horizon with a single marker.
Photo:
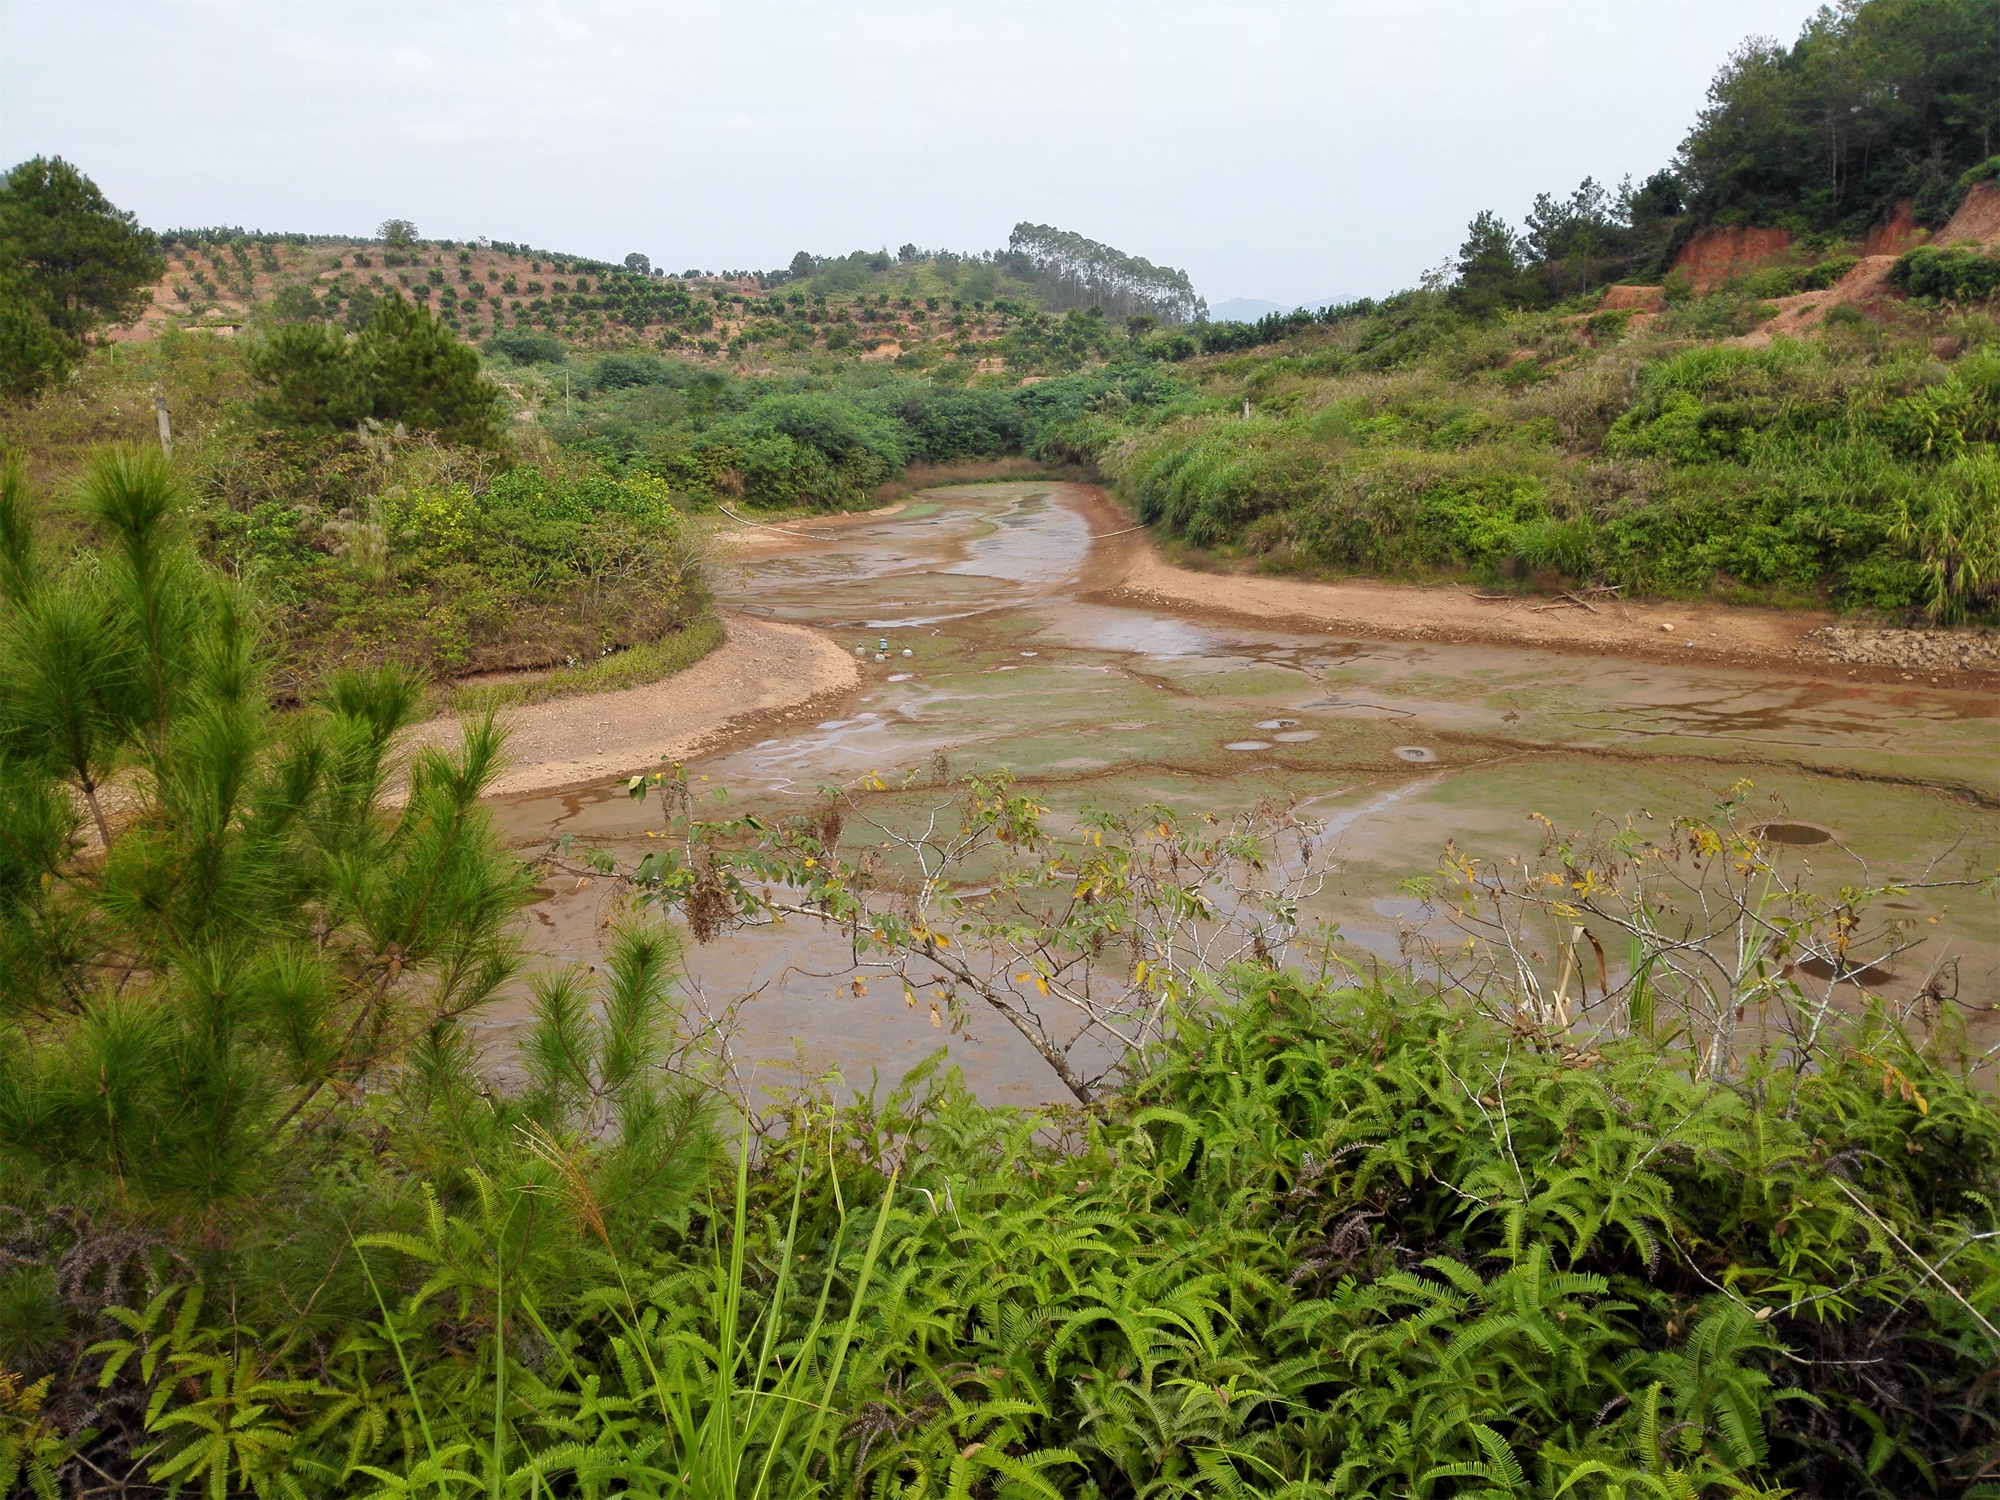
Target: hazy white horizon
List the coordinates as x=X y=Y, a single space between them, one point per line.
x=1276 y=152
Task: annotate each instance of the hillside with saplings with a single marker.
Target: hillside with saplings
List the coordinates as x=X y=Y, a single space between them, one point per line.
x=919 y=309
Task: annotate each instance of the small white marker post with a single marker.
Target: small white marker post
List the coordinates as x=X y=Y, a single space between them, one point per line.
x=166 y=425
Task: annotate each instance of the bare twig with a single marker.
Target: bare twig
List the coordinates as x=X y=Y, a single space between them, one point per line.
x=1929 y=1270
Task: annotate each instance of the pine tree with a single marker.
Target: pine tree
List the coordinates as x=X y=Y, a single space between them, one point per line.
x=208 y=917
x=421 y=376
x=69 y=263
x=404 y=367
x=310 y=379
x=1489 y=266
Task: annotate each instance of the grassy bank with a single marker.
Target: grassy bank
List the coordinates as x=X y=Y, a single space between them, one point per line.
x=1855 y=468
x=647 y=662
x=369 y=546
x=1412 y=440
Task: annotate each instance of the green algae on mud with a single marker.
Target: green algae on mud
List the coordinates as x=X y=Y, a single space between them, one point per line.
x=1411 y=745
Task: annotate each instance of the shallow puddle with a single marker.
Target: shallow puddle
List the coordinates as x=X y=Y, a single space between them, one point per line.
x=1399 y=746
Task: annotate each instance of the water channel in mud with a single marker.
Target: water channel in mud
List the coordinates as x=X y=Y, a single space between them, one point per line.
x=1007 y=647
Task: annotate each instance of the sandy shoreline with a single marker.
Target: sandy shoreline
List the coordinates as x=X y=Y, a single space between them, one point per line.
x=1444 y=613
x=1651 y=629
x=762 y=671
x=1131 y=570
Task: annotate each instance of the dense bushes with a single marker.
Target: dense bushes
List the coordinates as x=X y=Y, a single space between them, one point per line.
x=368 y=548
x=1950 y=274
x=1857 y=465
x=1348 y=1242
x=523 y=347
x=404 y=368
x=787 y=447
x=829 y=441
x=449 y=570
x=943 y=426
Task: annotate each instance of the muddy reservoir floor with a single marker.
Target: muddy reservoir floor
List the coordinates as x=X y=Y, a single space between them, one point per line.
x=1025 y=654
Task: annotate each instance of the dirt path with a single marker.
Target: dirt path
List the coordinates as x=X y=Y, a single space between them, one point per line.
x=764 y=672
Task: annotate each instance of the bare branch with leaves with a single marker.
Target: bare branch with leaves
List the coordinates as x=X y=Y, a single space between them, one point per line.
x=1083 y=941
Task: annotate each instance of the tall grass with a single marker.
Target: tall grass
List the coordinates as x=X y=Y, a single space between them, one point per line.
x=735 y=1411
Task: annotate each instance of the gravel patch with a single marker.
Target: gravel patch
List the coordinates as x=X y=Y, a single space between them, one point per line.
x=1930 y=650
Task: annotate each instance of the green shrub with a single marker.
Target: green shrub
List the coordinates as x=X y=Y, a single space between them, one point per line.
x=1785 y=281
x=404 y=367
x=1818 y=278
x=1951 y=274
x=1986 y=171
x=1350 y=1241
x=525 y=348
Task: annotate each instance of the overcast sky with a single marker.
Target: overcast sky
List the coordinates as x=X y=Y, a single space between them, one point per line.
x=1290 y=152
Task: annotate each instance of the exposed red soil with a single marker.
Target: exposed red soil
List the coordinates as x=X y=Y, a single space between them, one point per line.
x=1649 y=299
x=1977 y=219
x=1867 y=282
x=1894 y=234
x=315 y=266
x=1716 y=255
